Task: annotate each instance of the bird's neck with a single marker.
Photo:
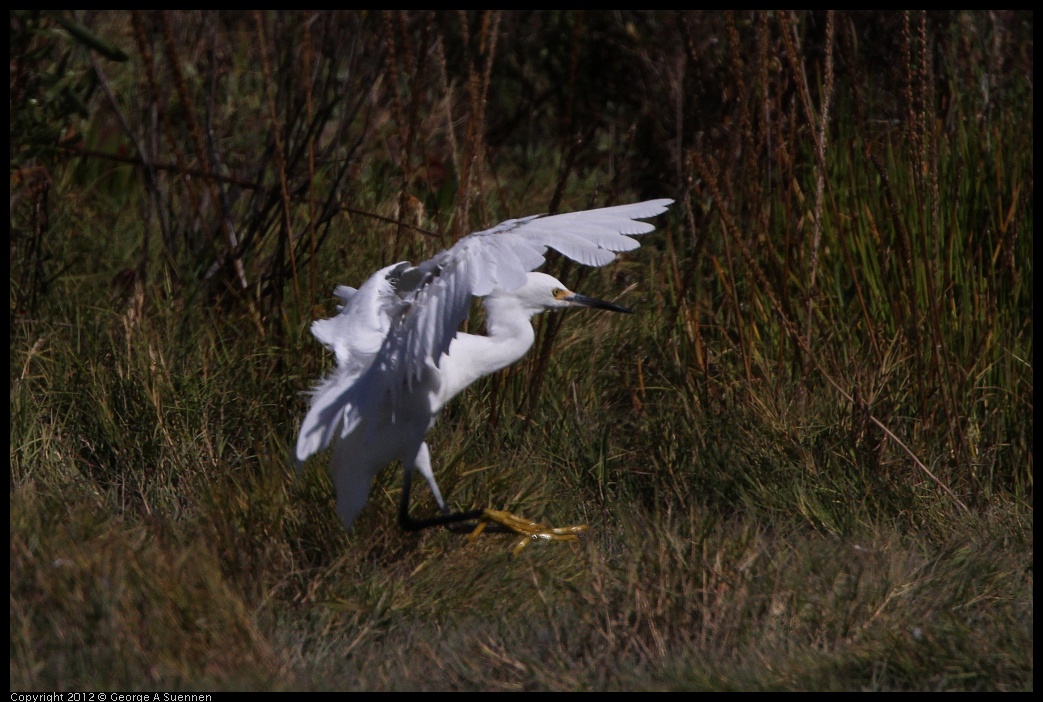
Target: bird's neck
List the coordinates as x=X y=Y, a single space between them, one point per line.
x=509 y=337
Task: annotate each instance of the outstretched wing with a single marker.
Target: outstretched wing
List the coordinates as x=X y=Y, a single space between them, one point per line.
x=404 y=317
x=356 y=336
x=439 y=290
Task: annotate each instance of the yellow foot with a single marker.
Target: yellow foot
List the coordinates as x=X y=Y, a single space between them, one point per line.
x=530 y=531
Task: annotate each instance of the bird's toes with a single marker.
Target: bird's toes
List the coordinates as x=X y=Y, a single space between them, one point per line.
x=529 y=530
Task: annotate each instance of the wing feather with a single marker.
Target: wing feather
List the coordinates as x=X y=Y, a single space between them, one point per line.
x=357 y=335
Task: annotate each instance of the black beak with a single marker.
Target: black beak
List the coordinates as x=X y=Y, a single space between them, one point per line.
x=584 y=301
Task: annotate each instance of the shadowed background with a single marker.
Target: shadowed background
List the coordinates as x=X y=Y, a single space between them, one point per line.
x=806 y=460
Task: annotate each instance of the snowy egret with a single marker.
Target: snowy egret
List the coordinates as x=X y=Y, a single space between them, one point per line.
x=401 y=357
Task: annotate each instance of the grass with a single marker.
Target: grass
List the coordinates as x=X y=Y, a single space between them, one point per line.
x=806 y=459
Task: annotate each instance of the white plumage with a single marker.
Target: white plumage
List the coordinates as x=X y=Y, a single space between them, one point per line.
x=400 y=356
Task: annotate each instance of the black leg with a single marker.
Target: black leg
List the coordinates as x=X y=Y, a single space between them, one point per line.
x=460 y=522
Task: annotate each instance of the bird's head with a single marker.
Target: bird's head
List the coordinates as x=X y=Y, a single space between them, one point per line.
x=545 y=292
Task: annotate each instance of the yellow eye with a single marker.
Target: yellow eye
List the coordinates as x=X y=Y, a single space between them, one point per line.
x=558 y=293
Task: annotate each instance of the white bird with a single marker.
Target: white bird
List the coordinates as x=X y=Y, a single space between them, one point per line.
x=401 y=357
